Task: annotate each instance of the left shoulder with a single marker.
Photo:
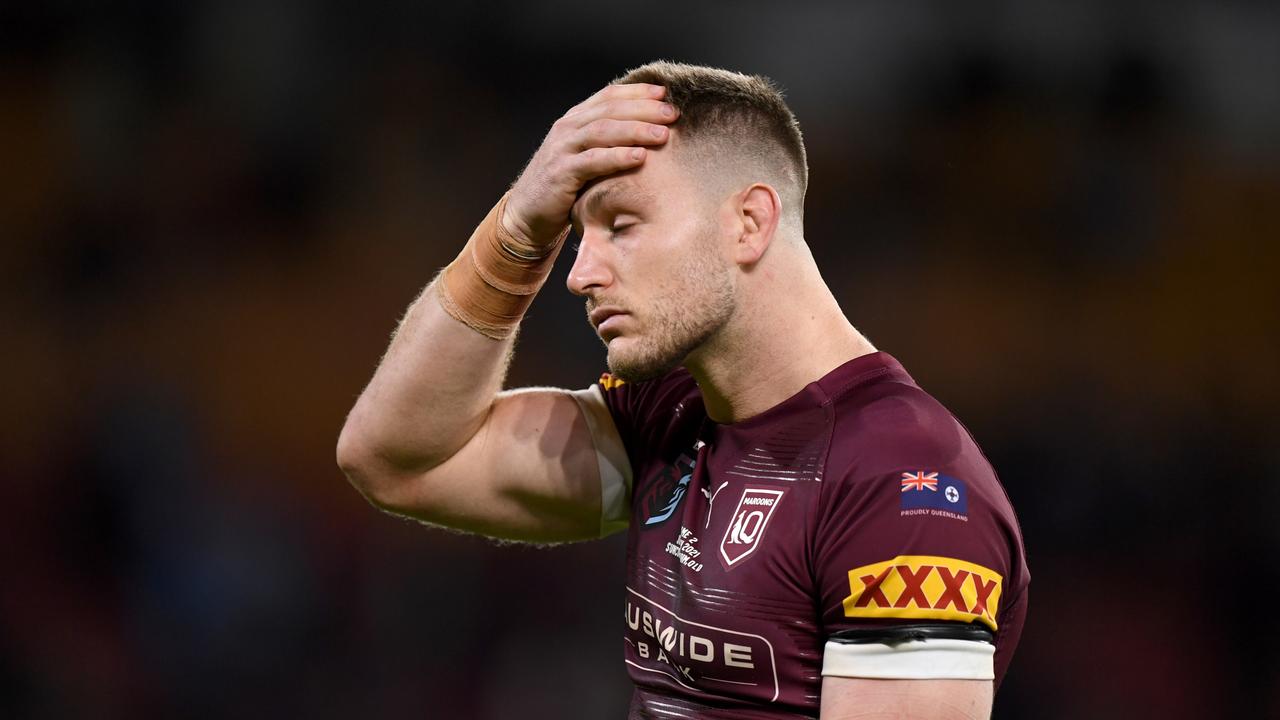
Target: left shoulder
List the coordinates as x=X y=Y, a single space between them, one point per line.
x=891 y=426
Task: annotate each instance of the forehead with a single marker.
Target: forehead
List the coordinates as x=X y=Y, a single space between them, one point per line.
x=612 y=192
x=659 y=180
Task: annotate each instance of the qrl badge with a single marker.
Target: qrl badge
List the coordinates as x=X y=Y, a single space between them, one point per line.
x=746 y=528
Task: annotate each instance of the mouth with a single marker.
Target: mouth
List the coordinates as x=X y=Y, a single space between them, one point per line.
x=605 y=319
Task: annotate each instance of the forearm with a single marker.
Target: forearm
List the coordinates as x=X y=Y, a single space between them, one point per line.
x=447 y=360
x=429 y=395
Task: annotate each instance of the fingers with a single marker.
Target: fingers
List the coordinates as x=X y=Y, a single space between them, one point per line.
x=610 y=133
x=634 y=91
x=607 y=133
x=600 y=161
x=643 y=109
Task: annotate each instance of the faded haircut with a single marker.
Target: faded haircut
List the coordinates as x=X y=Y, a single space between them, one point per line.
x=731 y=119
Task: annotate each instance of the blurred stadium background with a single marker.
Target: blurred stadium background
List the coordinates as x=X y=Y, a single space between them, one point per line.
x=1062 y=217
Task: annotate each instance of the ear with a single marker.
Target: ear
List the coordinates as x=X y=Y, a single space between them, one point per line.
x=759 y=209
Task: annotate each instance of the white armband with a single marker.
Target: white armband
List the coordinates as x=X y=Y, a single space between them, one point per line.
x=912 y=652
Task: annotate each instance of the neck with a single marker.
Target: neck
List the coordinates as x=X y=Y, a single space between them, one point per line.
x=788 y=331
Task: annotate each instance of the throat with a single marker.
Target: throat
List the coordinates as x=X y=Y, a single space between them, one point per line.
x=750 y=375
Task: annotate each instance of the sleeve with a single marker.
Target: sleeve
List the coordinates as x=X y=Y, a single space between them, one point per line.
x=615 y=468
x=911 y=561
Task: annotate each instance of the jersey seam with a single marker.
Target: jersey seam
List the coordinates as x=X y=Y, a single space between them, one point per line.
x=819 y=503
x=860 y=380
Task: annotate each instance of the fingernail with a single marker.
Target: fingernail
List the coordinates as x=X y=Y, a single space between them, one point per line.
x=637 y=153
x=668 y=109
x=657 y=131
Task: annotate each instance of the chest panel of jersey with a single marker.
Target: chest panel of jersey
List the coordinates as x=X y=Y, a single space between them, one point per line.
x=720 y=594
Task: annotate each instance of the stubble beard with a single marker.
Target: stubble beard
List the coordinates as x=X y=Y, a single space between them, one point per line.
x=692 y=308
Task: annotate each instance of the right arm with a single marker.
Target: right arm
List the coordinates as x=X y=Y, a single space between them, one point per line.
x=432 y=437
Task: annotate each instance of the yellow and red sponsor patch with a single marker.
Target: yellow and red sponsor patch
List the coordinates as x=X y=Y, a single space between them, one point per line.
x=924 y=587
x=609 y=382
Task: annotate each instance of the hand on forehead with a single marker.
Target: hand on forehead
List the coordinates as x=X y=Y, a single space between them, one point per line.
x=605 y=135
x=624 y=190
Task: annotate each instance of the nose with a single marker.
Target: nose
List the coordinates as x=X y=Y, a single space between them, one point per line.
x=591 y=270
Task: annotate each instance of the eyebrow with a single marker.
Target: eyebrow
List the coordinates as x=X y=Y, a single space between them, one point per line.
x=619 y=192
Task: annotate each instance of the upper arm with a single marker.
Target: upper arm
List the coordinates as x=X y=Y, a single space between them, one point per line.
x=866 y=699
x=921 y=540
x=919 y=565
x=533 y=471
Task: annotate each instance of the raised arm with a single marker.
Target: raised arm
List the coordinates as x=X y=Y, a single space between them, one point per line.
x=431 y=436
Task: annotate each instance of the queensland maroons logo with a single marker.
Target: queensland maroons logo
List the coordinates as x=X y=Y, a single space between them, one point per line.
x=750 y=520
x=664 y=492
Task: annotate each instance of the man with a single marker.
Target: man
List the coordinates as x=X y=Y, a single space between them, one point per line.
x=810 y=533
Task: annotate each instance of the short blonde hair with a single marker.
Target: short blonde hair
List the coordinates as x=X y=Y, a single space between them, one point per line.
x=734 y=115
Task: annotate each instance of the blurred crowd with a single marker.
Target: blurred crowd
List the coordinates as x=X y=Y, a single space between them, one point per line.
x=1063 y=219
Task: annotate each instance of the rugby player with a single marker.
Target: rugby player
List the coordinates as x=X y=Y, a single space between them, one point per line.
x=810 y=533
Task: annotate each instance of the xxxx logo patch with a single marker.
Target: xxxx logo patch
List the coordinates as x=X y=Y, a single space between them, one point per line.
x=924 y=587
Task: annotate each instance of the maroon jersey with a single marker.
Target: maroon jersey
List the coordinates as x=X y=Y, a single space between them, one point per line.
x=858 y=503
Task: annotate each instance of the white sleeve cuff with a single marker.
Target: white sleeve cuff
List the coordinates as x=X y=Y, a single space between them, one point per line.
x=928 y=659
x=615 y=467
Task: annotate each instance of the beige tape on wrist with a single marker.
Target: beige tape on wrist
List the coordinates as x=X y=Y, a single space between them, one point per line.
x=491 y=283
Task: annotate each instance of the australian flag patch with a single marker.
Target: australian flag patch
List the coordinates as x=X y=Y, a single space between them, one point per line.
x=925 y=491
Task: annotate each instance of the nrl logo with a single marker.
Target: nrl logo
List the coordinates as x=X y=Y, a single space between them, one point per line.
x=664 y=494
x=747 y=527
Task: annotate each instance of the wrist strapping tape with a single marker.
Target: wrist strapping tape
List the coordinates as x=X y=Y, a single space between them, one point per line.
x=491 y=283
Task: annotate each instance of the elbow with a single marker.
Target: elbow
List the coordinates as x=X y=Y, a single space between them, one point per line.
x=352 y=457
x=375 y=473
x=349 y=454
x=358 y=460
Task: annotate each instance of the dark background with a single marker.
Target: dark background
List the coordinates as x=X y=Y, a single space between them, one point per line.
x=1062 y=218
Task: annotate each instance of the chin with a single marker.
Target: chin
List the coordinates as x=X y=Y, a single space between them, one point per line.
x=631 y=361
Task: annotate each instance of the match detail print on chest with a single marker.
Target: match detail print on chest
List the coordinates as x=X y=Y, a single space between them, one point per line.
x=669 y=506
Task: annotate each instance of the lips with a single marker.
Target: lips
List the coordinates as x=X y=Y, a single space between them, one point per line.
x=600 y=317
x=602 y=314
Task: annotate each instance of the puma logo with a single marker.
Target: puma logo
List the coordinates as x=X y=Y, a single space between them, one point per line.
x=711 y=500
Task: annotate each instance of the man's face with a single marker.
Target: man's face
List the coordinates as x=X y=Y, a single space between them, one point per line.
x=651 y=266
